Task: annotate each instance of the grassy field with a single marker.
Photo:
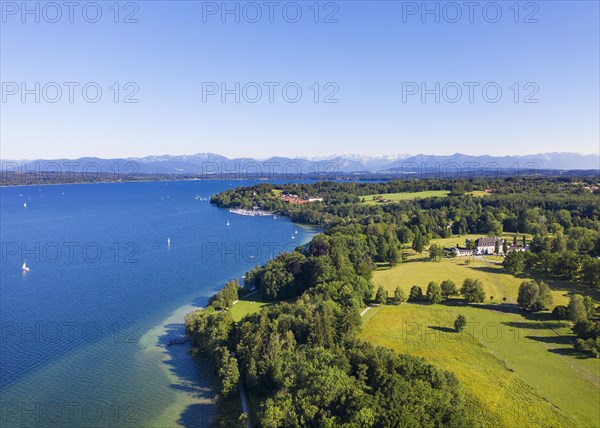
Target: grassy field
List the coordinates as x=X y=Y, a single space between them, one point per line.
x=496 y=282
x=418 y=270
x=246 y=306
x=406 y=196
x=521 y=372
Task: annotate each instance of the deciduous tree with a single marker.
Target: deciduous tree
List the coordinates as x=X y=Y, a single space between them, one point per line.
x=381 y=296
x=534 y=296
x=449 y=289
x=577 y=310
x=434 y=293
x=399 y=296
x=459 y=323
x=416 y=294
x=472 y=290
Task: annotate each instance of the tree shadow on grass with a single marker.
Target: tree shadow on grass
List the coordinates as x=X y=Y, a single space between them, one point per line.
x=257 y=297
x=572 y=352
x=508 y=308
x=556 y=340
x=566 y=350
x=568 y=287
x=511 y=308
x=442 y=329
x=556 y=284
x=535 y=321
x=486 y=269
x=382 y=266
x=529 y=325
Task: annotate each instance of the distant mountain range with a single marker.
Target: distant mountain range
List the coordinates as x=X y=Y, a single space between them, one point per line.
x=210 y=163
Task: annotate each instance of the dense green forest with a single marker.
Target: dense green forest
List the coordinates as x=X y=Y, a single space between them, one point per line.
x=301 y=359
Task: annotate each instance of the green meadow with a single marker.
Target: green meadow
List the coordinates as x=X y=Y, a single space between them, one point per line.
x=409 y=196
x=516 y=371
x=496 y=282
x=417 y=269
x=521 y=369
x=246 y=306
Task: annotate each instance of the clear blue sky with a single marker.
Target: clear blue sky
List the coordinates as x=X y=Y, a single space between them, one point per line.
x=368 y=54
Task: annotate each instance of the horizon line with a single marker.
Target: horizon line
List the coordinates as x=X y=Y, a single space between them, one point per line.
x=303 y=157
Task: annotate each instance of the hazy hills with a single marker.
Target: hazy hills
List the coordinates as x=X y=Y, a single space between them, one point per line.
x=211 y=163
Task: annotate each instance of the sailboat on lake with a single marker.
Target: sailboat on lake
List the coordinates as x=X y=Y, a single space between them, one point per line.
x=25 y=268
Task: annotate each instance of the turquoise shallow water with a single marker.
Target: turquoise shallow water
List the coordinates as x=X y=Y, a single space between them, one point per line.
x=84 y=331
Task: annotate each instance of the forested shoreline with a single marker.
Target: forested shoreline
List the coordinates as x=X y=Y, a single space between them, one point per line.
x=301 y=358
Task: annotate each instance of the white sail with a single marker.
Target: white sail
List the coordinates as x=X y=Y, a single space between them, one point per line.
x=24 y=268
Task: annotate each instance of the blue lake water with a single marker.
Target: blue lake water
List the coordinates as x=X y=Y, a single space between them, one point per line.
x=84 y=331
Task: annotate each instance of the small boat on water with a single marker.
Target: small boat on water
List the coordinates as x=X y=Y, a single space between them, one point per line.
x=168 y=242
x=274 y=217
x=25 y=205
x=227 y=222
x=25 y=268
x=293 y=237
x=296 y=232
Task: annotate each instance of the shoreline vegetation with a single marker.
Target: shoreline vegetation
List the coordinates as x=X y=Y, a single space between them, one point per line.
x=304 y=354
x=10 y=178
